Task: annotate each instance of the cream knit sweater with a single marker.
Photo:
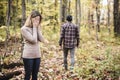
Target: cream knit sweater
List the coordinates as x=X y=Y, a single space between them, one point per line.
x=31 y=37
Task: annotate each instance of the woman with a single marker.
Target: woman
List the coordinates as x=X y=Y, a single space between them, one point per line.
x=31 y=52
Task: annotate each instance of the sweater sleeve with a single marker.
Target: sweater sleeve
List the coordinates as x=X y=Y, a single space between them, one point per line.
x=28 y=36
x=40 y=36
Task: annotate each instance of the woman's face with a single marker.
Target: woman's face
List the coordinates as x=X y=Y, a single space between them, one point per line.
x=36 y=19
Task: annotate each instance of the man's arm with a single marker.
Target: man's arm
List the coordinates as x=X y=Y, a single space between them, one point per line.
x=61 y=36
x=77 y=36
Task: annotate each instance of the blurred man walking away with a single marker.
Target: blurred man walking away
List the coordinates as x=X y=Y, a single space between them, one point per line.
x=69 y=39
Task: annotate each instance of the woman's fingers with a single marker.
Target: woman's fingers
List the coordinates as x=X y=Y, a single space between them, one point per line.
x=35 y=22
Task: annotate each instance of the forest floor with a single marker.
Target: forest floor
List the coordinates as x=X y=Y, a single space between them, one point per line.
x=95 y=59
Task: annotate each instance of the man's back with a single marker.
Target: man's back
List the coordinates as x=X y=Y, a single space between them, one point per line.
x=70 y=33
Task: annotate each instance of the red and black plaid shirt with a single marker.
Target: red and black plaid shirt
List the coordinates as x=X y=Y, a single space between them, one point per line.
x=69 y=36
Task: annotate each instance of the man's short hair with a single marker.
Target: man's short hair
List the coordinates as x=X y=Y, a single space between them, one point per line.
x=69 y=18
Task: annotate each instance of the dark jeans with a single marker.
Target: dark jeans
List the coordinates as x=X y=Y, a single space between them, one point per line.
x=65 y=53
x=31 y=66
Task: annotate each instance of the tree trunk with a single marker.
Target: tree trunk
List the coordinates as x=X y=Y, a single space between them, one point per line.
x=14 y=28
x=61 y=12
x=89 y=21
x=64 y=10
x=7 y=24
x=97 y=25
x=79 y=13
x=55 y=17
x=69 y=7
x=23 y=12
x=92 y=20
x=76 y=12
x=79 y=16
x=108 y=20
x=23 y=21
x=116 y=13
x=97 y=2
x=98 y=15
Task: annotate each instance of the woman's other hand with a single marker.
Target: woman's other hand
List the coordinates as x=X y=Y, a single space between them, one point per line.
x=35 y=21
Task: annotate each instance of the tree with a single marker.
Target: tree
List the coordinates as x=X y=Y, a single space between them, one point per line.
x=7 y=24
x=23 y=12
x=108 y=13
x=55 y=15
x=23 y=20
x=63 y=10
x=77 y=12
x=116 y=13
x=69 y=7
x=15 y=12
x=98 y=14
x=3 y=12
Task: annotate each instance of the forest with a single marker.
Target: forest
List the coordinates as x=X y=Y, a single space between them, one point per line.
x=96 y=58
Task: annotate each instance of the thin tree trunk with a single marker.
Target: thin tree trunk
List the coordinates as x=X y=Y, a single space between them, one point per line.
x=79 y=13
x=98 y=16
x=108 y=20
x=64 y=10
x=97 y=25
x=55 y=17
x=69 y=7
x=61 y=11
x=76 y=12
x=89 y=22
x=23 y=21
x=15 y=40
x=7 y=24
x=92 y=20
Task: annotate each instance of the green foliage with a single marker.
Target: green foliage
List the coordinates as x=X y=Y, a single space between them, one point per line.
x=12 y=32
x=51 y=34
x=2 y=33
x=98 y=60
x=3 y=12
x=14 y=13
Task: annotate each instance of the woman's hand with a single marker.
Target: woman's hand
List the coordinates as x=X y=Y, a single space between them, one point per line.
x=36 y=21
